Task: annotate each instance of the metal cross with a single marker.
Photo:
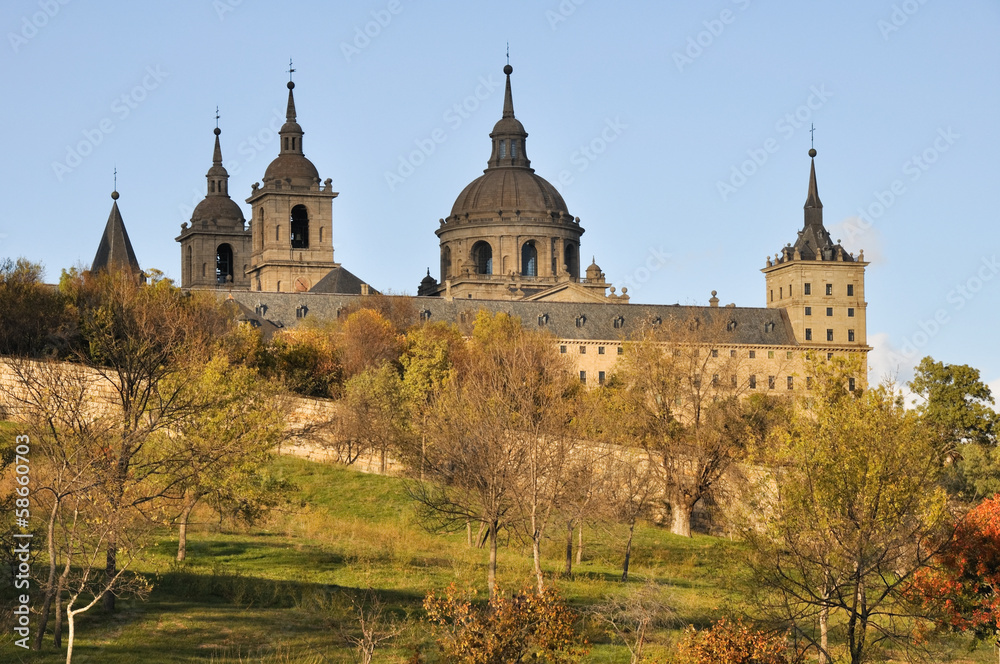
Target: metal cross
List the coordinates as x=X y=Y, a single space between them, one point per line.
x=812 y=130
x=116 y=177
x=216 y=117
x=290 y=70
x=508 y=52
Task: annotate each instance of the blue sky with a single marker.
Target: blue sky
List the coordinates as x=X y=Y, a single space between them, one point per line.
x=678 y=134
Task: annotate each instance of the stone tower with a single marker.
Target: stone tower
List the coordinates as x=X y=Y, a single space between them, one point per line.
x=292 y=223
x=510 y=234
x=819 y=284
x=215 y=248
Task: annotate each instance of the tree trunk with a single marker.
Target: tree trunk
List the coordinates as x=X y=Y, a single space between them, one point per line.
x=182 y=534
x=824 y=623
x=382 y=465
x=468 y=532
x=50 y=584
x=579 y=544
x=110 y=570
x=69 y=645
x=569 y=548
x=491 y=574
x=628 y=551
x=681 y=518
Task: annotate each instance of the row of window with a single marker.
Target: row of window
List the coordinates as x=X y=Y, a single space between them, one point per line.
x=752 y=383
x=752 y=354
x=829 y=311
x=583 y=350
x=807 y=290
x=829 y=335
x=482 y=257
x=600 y=377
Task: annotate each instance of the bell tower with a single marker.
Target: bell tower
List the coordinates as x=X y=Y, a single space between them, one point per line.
x=818 y=283
x=292 y=223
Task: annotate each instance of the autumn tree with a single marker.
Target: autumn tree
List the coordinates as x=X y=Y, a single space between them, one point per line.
x=368 y=341
x=219 y=453
x=734 y=642
x=374 y=412
x=849 y=516
x=37 y=318
x=676 y=394
x=502 y=396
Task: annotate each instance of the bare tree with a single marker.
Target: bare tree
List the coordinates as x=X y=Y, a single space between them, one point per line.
x=631 y=616
x=375 y=627
x=626 y=491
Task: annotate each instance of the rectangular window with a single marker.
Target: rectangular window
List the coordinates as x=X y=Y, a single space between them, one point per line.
x=753 y=354
x=770 y=382
x=753 y=382
x=850 y=312
x=600 y=350
x=600 y=378
x=829 y=311
x=788 y=354
x=809 y=382
x=772 y=295
x=621 y=350
x=809 y=334
x=829 y=335
x=829 y=289
x=850 y=289
x=850 y=335
x=715 y=353
x=809 y=311
x=781 y=293
x=807 y=289
x=562 y=349
x=829 y=356
x=715 y=380
x=732 y=353
x=770 y=354
x=850 y=384
x=790 y=382
x=583 y=377
x=583 y=350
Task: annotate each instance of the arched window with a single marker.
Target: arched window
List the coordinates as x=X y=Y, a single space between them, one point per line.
x=572 y=260
x=300 y=227
x=482 y=256
x=224 y=264
x=529 y=260
x=503 y=149
x=513 y=149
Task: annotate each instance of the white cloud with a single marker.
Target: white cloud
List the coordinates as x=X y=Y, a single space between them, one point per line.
x=856 y=235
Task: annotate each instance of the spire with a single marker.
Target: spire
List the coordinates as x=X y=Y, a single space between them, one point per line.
x=217 y=176
x=813 y=206
x=291 y=131
x=115 y=250
x=508 y=134
x=290 y=110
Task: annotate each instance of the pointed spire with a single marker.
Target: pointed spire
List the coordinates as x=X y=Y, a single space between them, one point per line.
x=812 y=200
x=115 y=249
x=508 y=134
x=508 y=100
x=217 y=155
x=217 y=176
x=290 y=110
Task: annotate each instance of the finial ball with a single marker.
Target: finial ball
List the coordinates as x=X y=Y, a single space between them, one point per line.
x=217 y=131
x=114 y=195
x=812 y=152
x=507 y=69
x=291 y=84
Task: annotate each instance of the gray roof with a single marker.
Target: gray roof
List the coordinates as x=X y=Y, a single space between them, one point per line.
x=338 y=281
x=115 y=249
x=566 y=320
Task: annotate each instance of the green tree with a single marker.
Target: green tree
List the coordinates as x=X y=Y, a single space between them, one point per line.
x=850 y=515
x=36 y=318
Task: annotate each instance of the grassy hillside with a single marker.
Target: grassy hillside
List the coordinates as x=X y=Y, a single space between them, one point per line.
x=281 y=592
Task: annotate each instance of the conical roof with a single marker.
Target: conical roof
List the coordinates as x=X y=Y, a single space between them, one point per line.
x=115 y=249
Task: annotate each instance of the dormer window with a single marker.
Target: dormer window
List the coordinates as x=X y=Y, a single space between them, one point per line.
x=619 y=322
x=581 y=320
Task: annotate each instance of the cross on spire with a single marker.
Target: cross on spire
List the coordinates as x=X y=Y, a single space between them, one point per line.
x=508 y=52
x=216 y=117
x=116 y=177
x=812 y=135
x=290 y=69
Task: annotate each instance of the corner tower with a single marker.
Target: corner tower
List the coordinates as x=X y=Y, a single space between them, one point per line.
x=215 y=248
x=819 y=284
x=510 y=234
x=292 y=224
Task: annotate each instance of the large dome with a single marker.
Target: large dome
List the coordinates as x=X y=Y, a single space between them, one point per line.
x=508 y=189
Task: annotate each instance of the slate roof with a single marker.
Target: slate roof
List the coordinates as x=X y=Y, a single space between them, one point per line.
x=737 y=325
x=339 y=281
x=115 y=249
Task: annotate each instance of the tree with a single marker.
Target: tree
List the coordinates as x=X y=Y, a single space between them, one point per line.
x=36 y=317
x=374 y=411
x=510 y=628
x=368 y=341
x=220 y=452
x=484 y=423
x=851 y=514
x=631 y=616
x=626 y=492
x=678 y=397
x=375 y=627
x=962 y=590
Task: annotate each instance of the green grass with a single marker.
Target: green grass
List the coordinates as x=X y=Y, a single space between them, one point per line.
x=280 y=592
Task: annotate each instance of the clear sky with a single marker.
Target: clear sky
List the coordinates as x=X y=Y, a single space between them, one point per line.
x=677 y=132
